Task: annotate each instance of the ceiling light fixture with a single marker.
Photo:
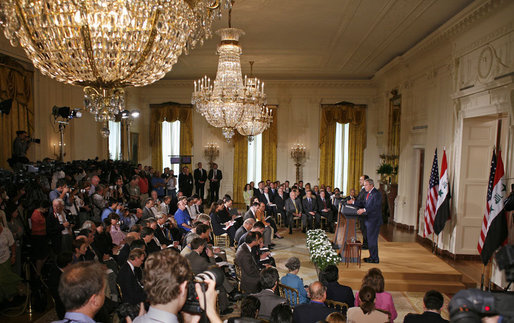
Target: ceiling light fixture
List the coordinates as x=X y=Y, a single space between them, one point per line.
x=228 y=101
x=106 y=45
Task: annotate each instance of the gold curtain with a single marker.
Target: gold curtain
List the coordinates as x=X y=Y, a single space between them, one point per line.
x=269 y=149
x=15 y=83
x=240 y=166
x=170 y=112
x=355 y=115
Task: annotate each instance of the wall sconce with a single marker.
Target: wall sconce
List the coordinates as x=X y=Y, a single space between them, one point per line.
x=298 y=154
x=212 y=150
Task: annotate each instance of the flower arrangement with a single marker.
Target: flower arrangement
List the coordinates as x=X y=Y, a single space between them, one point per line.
x=320 y=249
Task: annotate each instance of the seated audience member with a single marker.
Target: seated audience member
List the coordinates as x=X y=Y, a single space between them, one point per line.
x=366 y=312
x=282 y=314
x=249 y=311
x=125 y=250
x=128 y=278
x=166 y=277
x=325 y=209
x=54 y=275
x=182 y=217
x=293 y=208
x=147 y=209
x=250 y=272
x=187 y=248
x=336 y=291
x=79 y=249
x=117 y=236
x=198 y=263
x=267 y=297
x=432 y=303
x=265 y=231
x=82 y=291
x=260 y=215
x=222 y=221
x=103 y=242
x=90 y=252
x=261 y=252
x=247 y=226
x=310 y=211
x=292 y=280
x=384 y=300
x=335 y=317
x=316 y=309
x=162 y=233
x=147 y=234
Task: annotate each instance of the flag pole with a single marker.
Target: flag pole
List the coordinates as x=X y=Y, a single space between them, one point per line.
x=433 y=243
x=482 y=278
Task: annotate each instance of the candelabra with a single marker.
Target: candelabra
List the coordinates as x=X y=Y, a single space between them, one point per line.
x=212 y=150
x=298 y=154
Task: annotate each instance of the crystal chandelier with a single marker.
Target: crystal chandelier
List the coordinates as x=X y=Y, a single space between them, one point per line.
x=228 y=102
x=106 y=45
x=256 y=119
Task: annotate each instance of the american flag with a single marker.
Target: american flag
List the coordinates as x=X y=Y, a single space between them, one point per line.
x=430 y=208
x=490 y=187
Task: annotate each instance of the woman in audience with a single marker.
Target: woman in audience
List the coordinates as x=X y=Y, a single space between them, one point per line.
x=117 y=236
x=367 y=311
x=292 y=280
x=247 y=195
x=384 y=300
x=281 y=314
x=39 y=239
x=79 y=249
x=260 y=215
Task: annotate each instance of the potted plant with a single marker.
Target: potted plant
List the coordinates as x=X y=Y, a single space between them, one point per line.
x=321 y=252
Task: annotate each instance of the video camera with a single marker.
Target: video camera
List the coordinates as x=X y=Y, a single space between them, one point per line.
x=470 y=305
x=192 y=304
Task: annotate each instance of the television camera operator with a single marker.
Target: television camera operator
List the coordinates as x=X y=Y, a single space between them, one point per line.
x=19 y=149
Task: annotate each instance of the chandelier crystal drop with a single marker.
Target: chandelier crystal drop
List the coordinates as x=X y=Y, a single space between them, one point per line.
x=229 y=102
x=106 y=45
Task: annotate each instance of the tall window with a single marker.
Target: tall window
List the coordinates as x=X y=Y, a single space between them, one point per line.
x=170 y=144
x=253 y=172
x=114 y=140
x=341 y=157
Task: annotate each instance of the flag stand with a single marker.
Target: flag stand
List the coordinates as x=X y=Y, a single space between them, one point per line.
x=482 y=278
x=433 y=244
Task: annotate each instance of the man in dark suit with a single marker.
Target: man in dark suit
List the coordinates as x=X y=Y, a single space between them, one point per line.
x=147 y=210
x=362 y=198
x=200 y=176
x=432 y=303
x=293 y=209
x=215 y=177
x=325 y=209
x=310 y=211
x=315 y=310
x=267 y=297
x=246 y=227
x=280 y=201
x=371 y=208
x=249 y=268
x=132 y=291
x=336 y=291
x=185 y=182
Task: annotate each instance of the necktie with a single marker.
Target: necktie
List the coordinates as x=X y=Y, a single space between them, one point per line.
x=367 y=196
x=294 y=203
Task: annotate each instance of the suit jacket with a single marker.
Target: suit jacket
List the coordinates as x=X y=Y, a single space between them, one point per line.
x=198 y=263
x=340 y=293
x=200 y=175
x=280 y=202
x=321 y=205
x=217 y=227
x=123 y=254
x=239 y=233
x=427 y=317
x=147 y=213
x=219 y=177
x=185 y=183
x=249 y=214
x=373 y=206
x=159 y=234
x=311 y=312
x=268 y=301
x=310 y=207
x=152 y=247
x=250 y=273
x=290 y=206
x=131 y=290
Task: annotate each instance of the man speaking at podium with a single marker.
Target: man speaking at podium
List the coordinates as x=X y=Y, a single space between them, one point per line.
x=371 y=209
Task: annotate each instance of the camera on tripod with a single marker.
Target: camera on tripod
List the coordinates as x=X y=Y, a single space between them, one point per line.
x=192 y=304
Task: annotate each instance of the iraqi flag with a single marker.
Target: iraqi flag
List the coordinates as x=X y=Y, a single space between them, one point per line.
x=443 y=198
x=494 y=231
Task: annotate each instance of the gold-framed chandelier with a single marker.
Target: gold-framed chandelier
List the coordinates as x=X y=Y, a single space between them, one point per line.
x=106 y=45
x=229 y=102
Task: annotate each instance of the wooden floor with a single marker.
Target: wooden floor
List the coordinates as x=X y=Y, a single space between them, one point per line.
x=407 y=266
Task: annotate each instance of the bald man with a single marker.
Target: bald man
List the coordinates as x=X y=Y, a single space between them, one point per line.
x=315 y=310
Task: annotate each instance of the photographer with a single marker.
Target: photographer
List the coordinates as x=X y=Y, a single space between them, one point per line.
x=165 y=281
x=19 y=149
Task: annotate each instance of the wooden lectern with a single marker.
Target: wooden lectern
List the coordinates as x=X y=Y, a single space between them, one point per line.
x=346 y=230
